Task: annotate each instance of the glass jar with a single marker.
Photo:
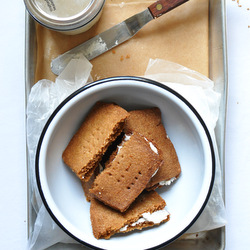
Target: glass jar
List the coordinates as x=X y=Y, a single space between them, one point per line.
x=67 y=16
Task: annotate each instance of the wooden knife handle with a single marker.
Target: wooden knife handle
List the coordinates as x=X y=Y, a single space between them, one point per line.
x=161 y=7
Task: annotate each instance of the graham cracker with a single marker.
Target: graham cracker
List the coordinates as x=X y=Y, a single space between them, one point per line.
x=148 y=123
x=128 y=174
x=101 y=127
x=107 y=221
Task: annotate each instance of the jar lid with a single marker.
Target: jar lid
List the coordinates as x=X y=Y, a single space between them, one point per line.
x=64 y=15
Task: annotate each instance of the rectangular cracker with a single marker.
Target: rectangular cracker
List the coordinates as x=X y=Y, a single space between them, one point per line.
x=102 y=125
x=127 y=175
x=148 y=123
x=107 y=221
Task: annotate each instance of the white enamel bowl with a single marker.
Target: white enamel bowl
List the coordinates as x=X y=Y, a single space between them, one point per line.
x=62 y=193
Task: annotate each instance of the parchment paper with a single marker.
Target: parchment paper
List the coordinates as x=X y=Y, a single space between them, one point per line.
x=45 y=97
x=180 y=36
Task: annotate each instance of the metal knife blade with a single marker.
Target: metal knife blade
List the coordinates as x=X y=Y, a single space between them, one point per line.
x=115 y=35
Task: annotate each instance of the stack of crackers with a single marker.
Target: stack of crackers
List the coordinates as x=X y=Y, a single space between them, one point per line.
x=120 y=158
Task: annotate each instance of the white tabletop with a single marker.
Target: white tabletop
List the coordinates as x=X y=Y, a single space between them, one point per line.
x=13 y=206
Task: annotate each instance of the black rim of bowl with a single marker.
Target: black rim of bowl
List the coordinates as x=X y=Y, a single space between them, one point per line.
x=103 y=81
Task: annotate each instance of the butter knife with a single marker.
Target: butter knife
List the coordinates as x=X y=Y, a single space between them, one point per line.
x=115 y=35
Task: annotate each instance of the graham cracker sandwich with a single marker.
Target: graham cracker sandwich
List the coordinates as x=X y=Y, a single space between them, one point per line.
x=101 y=127
x=128 y=172
x=147 y=210
x=148 y=123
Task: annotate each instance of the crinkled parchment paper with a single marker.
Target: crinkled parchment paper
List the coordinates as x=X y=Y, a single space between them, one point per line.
x=46 y=95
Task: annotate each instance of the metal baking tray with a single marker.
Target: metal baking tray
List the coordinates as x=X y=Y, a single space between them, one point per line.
x=213 y=239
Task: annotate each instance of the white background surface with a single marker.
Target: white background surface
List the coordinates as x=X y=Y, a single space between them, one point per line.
x=13 y=209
